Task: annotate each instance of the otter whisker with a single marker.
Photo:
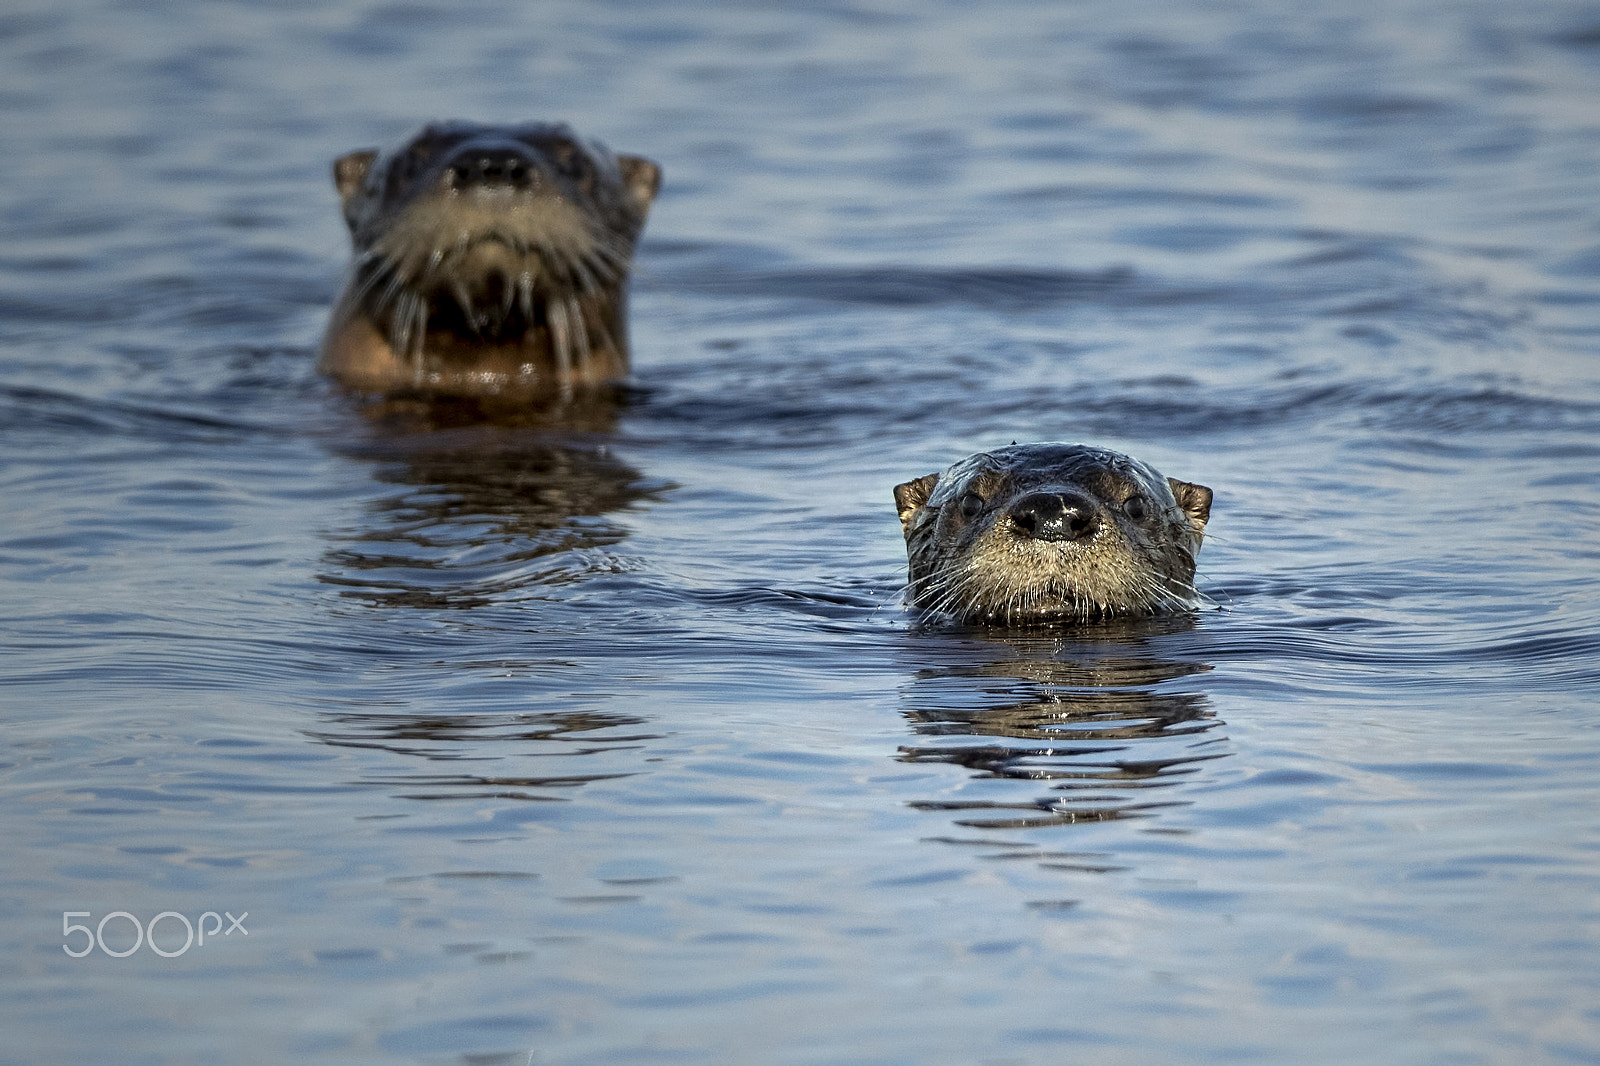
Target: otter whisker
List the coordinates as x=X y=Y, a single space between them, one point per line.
x=955 y=596
x=408 y=323
x=931 y=593
x=560 y=343
x=614 y=251
x=602 y=272
x=419 y=332
x=463 y=298
x=369 y=269
x=508 y=296
x=607 y=341
x=525 y=293
x=399 y=317
x=580 y=332
x=586 y=281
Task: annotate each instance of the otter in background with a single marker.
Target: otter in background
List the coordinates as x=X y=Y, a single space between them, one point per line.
x=491 y=264
x=1039 y=533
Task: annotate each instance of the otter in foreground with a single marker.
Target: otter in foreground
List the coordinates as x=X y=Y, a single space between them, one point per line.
x=490 y=261
x=1037 y=533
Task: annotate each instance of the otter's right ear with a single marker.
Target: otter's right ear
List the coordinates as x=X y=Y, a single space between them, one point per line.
x=642 y=179
x=1195 y=501
x=350 y=170
x=910 y=497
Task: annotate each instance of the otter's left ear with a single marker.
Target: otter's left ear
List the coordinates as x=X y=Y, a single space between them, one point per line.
x=910 y=497
x=1195 y=501
x=643 y=179
x=350 y=170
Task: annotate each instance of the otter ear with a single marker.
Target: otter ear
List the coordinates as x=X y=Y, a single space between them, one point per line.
x=910 y=497
x=350 y=170
x=643 y=180
x=1195 y=501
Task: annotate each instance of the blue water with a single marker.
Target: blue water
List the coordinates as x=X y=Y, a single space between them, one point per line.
x=610 y=742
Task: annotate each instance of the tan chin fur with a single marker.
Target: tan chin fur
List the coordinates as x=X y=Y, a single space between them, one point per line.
x=379 y=339
x=1010 y=584
x=452 y=238
x=358 y=355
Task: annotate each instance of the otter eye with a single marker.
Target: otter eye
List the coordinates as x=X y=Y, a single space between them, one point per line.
x=1136 y=508
x=566 y=157
x=970 y=503
x=415 y=161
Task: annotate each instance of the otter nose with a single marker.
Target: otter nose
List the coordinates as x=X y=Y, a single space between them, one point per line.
x=491 y=166
x=1055 y=516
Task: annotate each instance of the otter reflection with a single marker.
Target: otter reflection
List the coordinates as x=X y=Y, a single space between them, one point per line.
x=483 y=515
x=476 y=517
x=567 y=748
x=1085 y=712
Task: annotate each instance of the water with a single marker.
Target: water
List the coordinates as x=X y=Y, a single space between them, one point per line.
x=611 y=743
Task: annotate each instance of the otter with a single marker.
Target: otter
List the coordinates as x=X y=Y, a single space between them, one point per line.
x=1039 y=533
x=489 y=262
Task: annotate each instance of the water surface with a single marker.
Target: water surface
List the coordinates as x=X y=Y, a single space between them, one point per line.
x=610 y=741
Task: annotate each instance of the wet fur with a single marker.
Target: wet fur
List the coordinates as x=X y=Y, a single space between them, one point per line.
x=969 y=557
x=467 y=287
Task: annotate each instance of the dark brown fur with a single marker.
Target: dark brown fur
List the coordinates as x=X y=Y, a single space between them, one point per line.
x=1051 y=532
x=490 y=262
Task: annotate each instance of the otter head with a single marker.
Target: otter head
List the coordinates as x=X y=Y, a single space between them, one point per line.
x=469 y=235
x=1049 y=532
